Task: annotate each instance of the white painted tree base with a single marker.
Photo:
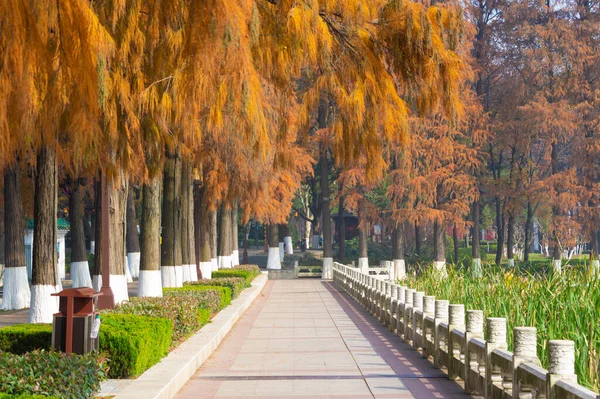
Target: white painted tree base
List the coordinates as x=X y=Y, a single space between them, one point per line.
x=235 y=257
x=186 y=273
x=169 y=277
x=224 y=262
x=316 y=239
x=133 y=258
x=179 y=275
x=476 y=270
x=16 y=293
x=128 y=277
x=193 y=273
x=363 y=265
x=327 y=272
x=399 y=269
x=206 y=270
x=289 y=247
x=92 y=247
x=439 y=267
x=43 y=304
x=281 y=252
x=215 y=264
x=80 y=274
x=118 y=283
x=557 y=265
x=273 y=260
x=150 y=283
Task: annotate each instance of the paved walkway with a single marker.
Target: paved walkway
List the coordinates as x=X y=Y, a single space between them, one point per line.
x=306 y=339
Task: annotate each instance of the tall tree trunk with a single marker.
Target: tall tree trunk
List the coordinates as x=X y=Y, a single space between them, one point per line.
x=500 y=231
x=44 y=278
x=398 y=252
x=325 y=209
x=203 y=233
x=281 y=230
x=439 y=247
x=133 y=239
x=88 y=229
x=97 y=274
x=188 y=252
x=225 y=239
x=510 y=240
x=273 y=260
x=342 y=230
x=150 y=280
x=363 y=250
x=476 y=243
x=456 y=243
x=528 y=232
x=418 y=239
x=556 y=252
x=118 y=226
x=235 y=253
x=594 y=246
x=171 y=268
x=15 y=293
x=80 y=271
x=213 y=240
x=246 y=235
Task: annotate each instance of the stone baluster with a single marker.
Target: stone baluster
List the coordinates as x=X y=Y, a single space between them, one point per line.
x=408 y=302
x=495 y=339
x=561 y=365
x=414 y=328
x=427 y=333
x=525 y=351
x=441 y=316
x=456 y=321
x=400 y=310
x=474 y=329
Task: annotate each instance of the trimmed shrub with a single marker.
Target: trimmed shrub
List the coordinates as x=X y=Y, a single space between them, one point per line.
x=134 y=343
x=25 y=396
x=237 y=284
x=213 y=297
x=185 y=312
x=253 y=269
x=246 y=275
x=53 y=374
x=23 y=338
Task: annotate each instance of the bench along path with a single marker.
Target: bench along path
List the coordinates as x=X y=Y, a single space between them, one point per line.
x=307 y=339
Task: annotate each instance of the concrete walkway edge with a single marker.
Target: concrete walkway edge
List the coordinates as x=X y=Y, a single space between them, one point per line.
x=166 y=378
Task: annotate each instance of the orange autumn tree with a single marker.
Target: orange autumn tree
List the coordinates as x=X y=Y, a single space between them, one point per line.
x=356 y=59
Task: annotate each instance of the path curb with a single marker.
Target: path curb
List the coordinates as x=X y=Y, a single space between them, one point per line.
x=166 y=378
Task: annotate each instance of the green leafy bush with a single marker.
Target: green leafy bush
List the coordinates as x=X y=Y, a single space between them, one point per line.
x=246 y=275
x=22 y=338
x=52 y=374
x=253 y=269
x=25 y=396
x=134 y=343
x=185 y=312
x=237 y=284
x=213 y=297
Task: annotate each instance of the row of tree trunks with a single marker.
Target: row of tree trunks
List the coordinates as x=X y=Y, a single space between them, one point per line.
x=15 y=292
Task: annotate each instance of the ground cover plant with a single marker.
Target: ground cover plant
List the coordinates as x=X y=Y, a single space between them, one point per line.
x=188 y=313
x=560 y=306
x=51 y=374
x=214 y=297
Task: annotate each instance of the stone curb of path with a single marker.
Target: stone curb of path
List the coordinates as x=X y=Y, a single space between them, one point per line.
x=166 y=378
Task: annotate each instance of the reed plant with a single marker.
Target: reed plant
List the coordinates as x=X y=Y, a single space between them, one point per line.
x=561 y=306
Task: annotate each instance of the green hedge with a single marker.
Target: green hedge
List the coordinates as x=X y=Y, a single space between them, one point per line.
x=134 y=343
x=23 y=338
x=213 y=297
x=188 y=314
x=237 y=284
x=245 y=274
x=25 y=396
x=253 y=269
x=51 y=374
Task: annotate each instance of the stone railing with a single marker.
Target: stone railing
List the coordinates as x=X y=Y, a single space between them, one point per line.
x=454 y=338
